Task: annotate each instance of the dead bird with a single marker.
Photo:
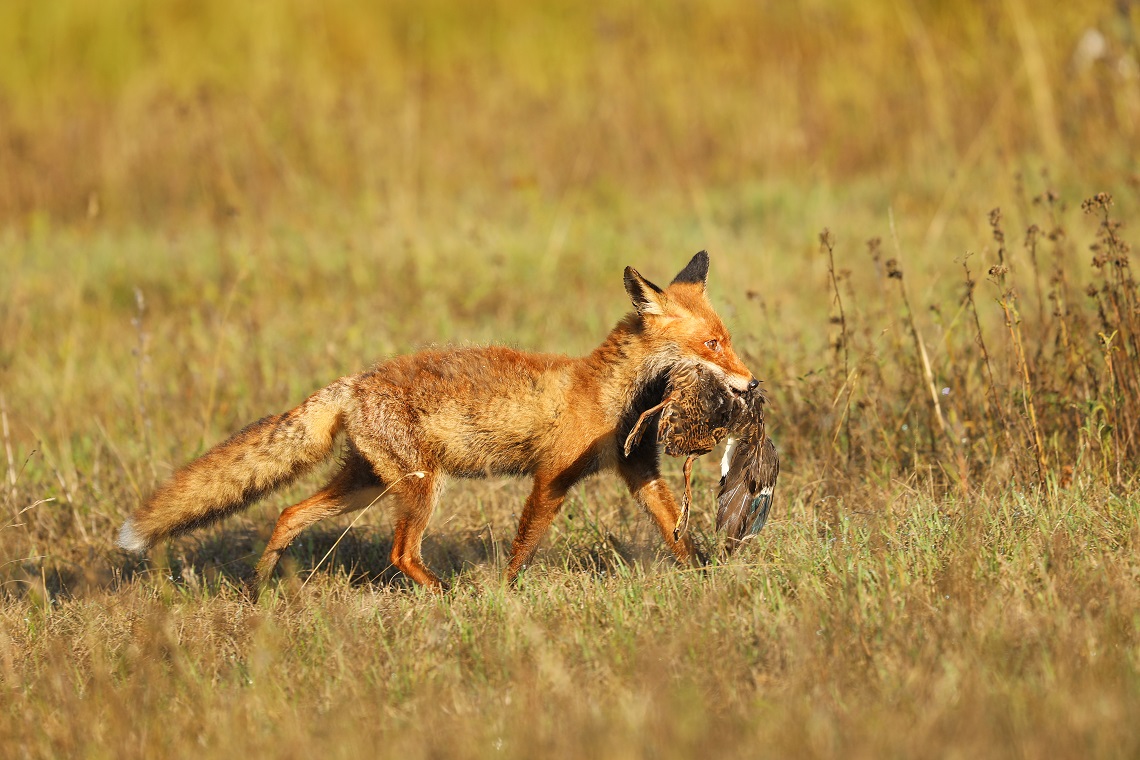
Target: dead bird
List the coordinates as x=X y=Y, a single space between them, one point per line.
x=695 y=416
x=748 y=472
x=698 y=412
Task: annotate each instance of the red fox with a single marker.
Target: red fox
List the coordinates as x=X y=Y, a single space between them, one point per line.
x=465 y=412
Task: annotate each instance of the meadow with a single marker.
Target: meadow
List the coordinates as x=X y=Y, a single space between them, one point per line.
x=919 y=216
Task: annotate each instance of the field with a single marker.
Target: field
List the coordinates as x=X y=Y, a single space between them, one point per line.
x=919 y=216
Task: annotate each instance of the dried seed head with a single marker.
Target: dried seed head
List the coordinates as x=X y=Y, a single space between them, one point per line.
x=1031 y=235
x=995 y=223
x=1099 y=202
x=893 y=269
x=874 y=246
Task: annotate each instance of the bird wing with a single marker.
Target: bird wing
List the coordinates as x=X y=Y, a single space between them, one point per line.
x=735 y=495
x=768 y=469
x=747 y=487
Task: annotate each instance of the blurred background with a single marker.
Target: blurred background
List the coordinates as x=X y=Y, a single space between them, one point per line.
x=136 y=112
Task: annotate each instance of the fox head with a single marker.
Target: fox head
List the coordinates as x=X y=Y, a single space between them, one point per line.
x=681 y=324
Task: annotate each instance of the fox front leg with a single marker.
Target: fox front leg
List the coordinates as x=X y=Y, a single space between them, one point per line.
x=651 y=491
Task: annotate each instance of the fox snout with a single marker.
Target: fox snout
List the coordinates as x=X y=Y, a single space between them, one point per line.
x=739 y=382
x=742 y=388
x=739 y=376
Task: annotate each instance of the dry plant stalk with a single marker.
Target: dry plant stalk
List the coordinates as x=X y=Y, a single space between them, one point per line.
x=8 y=450
x=1118 y=306
x=827 y=243
x=938 y=419
x=1008 y=301
x=142 y=358
x=997 y=410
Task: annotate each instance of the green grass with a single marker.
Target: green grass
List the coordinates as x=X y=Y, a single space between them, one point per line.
x=964 y=628
x=208 y=212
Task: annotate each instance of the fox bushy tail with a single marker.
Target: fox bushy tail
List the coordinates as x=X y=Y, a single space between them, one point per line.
x=263 y=457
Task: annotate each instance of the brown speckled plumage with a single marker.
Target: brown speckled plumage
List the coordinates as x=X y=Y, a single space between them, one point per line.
x=698 y=412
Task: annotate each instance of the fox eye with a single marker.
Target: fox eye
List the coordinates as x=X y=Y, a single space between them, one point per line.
x=712 y=344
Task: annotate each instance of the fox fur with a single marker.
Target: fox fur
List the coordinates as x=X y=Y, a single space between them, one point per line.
x=464 y=412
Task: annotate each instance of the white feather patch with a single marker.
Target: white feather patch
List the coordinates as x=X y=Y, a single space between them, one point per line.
x=726 y=460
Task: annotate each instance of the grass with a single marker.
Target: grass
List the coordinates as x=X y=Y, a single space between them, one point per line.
x=208 y=212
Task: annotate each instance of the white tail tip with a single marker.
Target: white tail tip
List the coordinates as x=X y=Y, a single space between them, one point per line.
x=130 y=539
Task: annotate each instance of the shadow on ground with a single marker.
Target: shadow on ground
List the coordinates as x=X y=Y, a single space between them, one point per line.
x=227 y=556
x=361 y=555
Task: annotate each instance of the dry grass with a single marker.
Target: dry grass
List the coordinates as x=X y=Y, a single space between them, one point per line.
x=209 y=211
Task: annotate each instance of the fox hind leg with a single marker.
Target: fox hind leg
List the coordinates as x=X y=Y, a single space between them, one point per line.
x=354 y=487
x=417 y=499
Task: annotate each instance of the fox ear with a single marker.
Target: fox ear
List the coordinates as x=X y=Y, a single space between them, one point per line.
x=696 y=271
x=647 y=298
